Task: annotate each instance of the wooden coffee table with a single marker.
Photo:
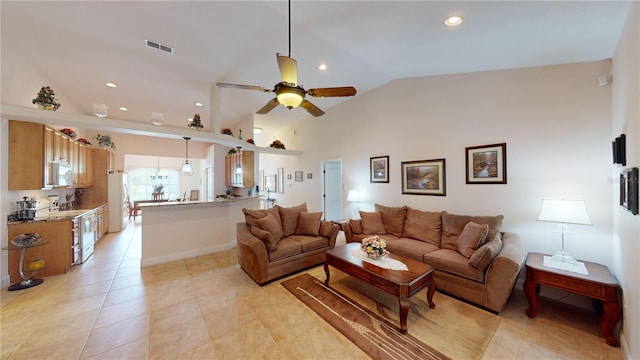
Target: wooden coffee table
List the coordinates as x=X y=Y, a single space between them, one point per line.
x=398 y=283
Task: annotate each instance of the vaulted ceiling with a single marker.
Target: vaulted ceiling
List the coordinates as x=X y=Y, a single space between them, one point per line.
x=78 y=46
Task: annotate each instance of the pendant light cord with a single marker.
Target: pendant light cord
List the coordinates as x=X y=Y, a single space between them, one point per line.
x=289 y=28
x=186 y=144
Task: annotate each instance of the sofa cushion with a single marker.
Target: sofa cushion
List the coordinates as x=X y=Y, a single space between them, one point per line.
x=308 y=223
x=267 y=238
x=251 y=216
x=372 y=223
x=482 y=257
x=453 y=262
x=286 y=247
x=472 y=236
x=325 y=228
x=409 y=248
x=289 y=217
x=423 y=225
x=392 y=218
x=310 y=243
x=452 y=226
x=272 y=225
x=356 y=226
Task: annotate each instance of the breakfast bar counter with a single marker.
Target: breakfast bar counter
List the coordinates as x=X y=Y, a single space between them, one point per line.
x=178 y=230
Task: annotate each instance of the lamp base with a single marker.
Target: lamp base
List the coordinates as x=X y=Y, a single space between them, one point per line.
x=564 y=257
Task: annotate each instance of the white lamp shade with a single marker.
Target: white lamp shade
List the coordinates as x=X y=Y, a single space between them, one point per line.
x=354 y=195
x=564 y=211
x=186 y=169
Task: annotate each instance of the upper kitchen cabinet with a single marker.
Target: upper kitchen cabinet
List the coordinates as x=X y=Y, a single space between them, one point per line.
x=102 y=162
x=33 y=148
x=239 y=169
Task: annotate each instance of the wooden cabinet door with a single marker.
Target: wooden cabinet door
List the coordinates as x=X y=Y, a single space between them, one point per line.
x=89 y=166
x=28 y=166
x=82 y=160
x=73 y=160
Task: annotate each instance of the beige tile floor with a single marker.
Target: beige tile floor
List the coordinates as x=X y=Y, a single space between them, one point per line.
x=208 y=308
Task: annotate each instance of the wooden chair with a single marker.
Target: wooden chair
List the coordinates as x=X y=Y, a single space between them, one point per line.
x=133 y=210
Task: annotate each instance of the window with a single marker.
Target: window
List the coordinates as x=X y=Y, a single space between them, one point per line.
x=144 y=182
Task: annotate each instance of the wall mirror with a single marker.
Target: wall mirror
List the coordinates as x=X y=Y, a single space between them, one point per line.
x=280 y=180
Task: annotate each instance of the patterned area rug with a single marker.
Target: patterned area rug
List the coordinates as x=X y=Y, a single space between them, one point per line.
x=369 y=318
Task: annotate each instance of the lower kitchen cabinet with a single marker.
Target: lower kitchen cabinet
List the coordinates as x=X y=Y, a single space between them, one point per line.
x=57 y=254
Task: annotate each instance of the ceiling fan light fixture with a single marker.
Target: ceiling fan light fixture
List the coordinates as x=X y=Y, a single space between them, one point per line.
x=453 y=20
x=290 y=100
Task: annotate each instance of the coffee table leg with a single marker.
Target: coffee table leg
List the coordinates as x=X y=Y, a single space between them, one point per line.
x=404 y=311
x=430 y=291
x=326 y=272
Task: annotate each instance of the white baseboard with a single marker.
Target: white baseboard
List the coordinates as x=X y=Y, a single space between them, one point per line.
x=5 y=281
x=186 y=254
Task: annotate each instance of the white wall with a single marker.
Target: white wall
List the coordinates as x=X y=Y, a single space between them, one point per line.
x=555 y=120
x=626 y=226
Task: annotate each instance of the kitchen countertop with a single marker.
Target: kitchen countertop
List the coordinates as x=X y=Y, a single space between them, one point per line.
x=54 y=216
x=180 y=203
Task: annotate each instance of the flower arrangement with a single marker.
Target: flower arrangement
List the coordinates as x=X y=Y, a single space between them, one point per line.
x=231 y=151
x=84 y=141
x=46 y=99
x=69 y=132
x=226 y=131
x=158 y=188
x=277 y=144
x=374 y=246
x=105 y=141
x=250 y=141
x=196 y=123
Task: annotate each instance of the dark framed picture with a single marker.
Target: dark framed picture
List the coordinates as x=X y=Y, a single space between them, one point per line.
x=309 y=176
x=486 y=164
x=289 y=176
x=619 y=150
x=629 y=190
x=298 y=176
x=424 y=177
x=379 y=169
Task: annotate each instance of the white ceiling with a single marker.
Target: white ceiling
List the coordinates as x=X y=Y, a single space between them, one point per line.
x=78 y=46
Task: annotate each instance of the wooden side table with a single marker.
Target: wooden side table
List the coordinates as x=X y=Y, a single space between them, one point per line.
x=598 y=284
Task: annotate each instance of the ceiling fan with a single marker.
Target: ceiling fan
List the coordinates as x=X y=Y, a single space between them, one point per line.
x=288 y=92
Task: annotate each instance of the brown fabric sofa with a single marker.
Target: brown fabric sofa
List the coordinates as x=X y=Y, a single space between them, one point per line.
x=472 y=258
x=280 y=241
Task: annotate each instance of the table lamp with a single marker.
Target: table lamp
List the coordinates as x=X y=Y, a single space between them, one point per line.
x=355 y=195
x=564 y=212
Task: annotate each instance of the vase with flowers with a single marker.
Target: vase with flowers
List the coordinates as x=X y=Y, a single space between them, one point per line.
x=46 y=99
x=105 y=141
x=375 y=247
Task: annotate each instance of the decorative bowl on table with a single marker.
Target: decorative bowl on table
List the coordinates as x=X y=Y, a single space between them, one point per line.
x=24 y=240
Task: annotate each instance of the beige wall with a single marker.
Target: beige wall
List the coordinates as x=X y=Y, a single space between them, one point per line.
x=626 y=226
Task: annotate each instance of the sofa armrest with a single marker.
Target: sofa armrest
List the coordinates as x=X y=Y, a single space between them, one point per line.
x=502 y=273
x=252 y=253
x=335 y=229
x=350 y=229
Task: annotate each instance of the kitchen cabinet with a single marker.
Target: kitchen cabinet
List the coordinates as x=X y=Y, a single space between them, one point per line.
x=102 y=213
x=239 y=169
x=57 y=254
x=97 y=194
x=33 y=147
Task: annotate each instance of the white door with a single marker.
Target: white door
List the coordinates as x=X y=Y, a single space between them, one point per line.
x=332 y=193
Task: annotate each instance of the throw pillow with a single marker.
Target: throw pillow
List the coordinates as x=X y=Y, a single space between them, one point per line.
x=452 y=226
x=251 y=216
x=472 y=236
x=267 y=238
x=423 y=225
x=308 y=223
x=325 y=228
x=392 y=218
x=356 y=225
x=272 y=225
x=289 y=217
x=372 y=223
x=482 y=257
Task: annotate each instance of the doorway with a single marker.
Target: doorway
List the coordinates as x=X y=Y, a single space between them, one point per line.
x=332 y=190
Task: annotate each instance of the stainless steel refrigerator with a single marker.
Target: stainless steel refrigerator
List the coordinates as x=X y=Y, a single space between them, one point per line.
x=117 y=198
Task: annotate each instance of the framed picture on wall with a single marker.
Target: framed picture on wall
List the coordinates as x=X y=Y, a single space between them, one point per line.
x=298 y=175
x=379 y=169
x=629 y=190
x=424 y=177
x=486 y=164
x=280 y=180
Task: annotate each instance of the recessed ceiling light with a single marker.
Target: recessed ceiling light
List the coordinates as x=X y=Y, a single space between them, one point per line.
x=111 y=85
x=189 y=119
x=198 y=104
x=322 y=67
x=124 y=108
x=453 y=21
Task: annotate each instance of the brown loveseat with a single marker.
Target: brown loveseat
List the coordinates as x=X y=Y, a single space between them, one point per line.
x=281 y=241
x=472 y=258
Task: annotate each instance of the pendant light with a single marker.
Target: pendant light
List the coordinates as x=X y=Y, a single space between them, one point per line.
x=186 y=169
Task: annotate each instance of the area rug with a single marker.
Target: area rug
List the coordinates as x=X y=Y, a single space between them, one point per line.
x=369 y=318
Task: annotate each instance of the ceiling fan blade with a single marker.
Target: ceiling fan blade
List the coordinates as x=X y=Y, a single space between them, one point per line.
x=288 y=68
x=243 y=87
x=312 y=109
x=270 y=105
x=332 y=91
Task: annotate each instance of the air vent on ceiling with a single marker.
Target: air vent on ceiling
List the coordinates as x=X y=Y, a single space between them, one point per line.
x=156 y=45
